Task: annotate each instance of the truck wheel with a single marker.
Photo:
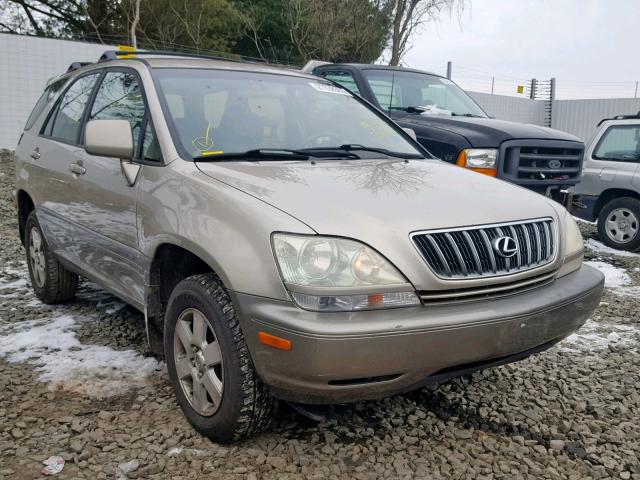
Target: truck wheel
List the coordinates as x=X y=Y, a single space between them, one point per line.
x=209 y=364
x=51 y=282
x=619 y=224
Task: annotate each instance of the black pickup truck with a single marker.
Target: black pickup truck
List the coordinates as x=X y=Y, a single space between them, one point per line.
x=453 y=127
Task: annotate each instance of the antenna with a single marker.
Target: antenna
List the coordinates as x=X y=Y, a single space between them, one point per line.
x=393 y=81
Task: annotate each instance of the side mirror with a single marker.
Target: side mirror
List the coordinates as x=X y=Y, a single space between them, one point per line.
x=411 y=132
x=109 y=138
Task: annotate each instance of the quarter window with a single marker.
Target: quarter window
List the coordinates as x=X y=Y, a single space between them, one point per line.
x=43 y=101
x=65 y=123
x=620 y=143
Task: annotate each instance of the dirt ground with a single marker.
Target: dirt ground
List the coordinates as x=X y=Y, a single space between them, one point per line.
x=77 y=380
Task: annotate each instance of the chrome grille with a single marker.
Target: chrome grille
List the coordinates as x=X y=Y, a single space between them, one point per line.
x=485 y=292
x=469 y=252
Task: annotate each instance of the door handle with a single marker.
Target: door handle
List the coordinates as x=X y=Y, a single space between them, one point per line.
x=35 y=154
x=77 y=168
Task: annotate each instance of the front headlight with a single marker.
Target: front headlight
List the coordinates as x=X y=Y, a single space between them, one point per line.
x=482 y=160
x=336 y=274
x=572 y=245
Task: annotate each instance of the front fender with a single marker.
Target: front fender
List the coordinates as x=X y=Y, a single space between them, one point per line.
x=228 y=229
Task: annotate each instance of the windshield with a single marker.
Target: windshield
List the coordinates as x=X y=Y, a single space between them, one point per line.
x=420 y=93
x=218 y=112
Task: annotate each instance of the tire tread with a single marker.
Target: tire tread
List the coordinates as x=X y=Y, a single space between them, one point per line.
x=61 y=284
x=257 y=403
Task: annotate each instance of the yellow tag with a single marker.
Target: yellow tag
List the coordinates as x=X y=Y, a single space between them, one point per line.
x=520 y=88
x=212 y=152
x=126 y=48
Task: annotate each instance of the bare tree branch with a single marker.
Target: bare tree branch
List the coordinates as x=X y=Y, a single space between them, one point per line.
x=409 y=16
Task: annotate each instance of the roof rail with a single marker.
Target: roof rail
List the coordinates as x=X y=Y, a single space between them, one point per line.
x=620 y=117
x=77 y=65
x=117 y=54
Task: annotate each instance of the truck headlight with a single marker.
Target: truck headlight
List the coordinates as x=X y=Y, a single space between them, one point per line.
x=337 y=274
x=482 y=160
x=573 y=246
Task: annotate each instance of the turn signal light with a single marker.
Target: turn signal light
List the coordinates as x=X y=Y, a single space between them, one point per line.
x=463 y=162
x=275 y=342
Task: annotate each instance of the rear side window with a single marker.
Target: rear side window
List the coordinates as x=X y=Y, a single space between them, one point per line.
x=343 y=78
x=43 y=101
x=620 y=143
x=64 y=124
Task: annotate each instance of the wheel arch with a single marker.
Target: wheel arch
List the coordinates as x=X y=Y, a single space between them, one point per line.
x=172 y=262
x=25 y=206
x=611 y=194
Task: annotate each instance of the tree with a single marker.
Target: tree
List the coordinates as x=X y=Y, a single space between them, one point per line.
x=193 y=25
x=338 y=30
x=408 y=16
x=266 y=34
x=62 y=18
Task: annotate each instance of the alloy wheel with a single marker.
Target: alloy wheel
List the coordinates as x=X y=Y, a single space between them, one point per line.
x=37 y=258
x=199 y=363
x=622 y=225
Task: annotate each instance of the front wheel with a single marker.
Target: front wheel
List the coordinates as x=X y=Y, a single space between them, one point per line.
x=619 y=224
x=209 y=364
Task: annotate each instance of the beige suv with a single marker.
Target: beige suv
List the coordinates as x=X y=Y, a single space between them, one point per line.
x=284 y=239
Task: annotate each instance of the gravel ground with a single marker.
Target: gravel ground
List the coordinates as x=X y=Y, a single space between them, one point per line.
x=77 y=381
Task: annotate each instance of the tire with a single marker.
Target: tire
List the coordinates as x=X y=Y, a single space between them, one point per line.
x=234 y=404
x=619 y=224
x=51 y=282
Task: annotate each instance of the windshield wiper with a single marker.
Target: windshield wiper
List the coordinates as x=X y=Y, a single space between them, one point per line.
x=473 y=115
x=409 y=109
x=257 y=155
x=349 y=147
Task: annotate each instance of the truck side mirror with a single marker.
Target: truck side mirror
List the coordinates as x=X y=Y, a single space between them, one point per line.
x=411 y=132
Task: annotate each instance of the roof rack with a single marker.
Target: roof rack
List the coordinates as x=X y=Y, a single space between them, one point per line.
x=117 y=54
x=620 y=117
x=77 y=65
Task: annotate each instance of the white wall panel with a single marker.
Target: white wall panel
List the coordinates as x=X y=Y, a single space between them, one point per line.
x=26 y=63
x=581 y=117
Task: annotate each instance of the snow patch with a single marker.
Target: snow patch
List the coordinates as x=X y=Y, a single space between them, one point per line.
x=20 y=283
x=594 y=336
x=582 y=220
x=599 y=247
x=60 y=359
x=614 y=277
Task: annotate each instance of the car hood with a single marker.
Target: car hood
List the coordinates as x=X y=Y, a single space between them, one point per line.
x=483 y=132
x=366 y=199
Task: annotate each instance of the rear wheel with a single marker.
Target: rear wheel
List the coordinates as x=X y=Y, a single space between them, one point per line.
x=51 y=282
x=209 y=364
x=619 y=223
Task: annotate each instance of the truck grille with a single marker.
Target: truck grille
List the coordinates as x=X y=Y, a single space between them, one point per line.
x=540 y=162
x=463 y=253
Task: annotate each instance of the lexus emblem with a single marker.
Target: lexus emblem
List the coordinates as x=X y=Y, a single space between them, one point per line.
x=555 y=164
x=505 y=246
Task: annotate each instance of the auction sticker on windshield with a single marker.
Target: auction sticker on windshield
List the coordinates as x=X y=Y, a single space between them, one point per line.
x=323 y=87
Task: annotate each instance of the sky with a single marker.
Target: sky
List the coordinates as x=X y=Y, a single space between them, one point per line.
x=590 y=46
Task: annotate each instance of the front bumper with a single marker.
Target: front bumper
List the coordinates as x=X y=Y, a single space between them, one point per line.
x=345 y=357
